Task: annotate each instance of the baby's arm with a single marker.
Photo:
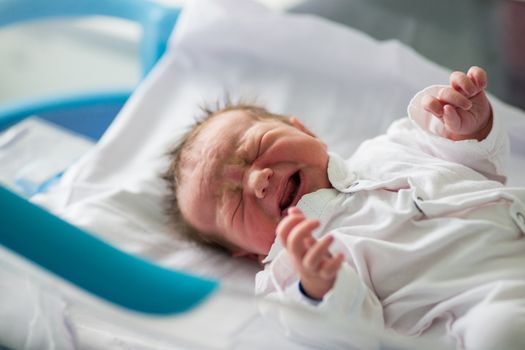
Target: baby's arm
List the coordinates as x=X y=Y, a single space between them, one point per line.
x=463 y=107
x=444 y=123
x=317 y=268
x=345 y=297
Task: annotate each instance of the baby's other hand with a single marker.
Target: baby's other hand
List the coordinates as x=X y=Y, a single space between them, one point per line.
x=313 y=262
x=463 y=107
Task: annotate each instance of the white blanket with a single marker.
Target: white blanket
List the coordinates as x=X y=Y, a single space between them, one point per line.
x=326 y=74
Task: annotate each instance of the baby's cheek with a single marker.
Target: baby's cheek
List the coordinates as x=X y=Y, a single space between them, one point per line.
x=262 y=229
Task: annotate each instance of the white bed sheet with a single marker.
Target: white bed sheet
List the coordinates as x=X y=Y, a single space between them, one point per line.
x=343 y=84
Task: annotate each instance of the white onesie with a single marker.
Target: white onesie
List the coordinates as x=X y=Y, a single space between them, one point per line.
x=431 y=237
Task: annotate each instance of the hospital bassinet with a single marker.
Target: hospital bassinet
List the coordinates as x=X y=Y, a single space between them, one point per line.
x=171 y=306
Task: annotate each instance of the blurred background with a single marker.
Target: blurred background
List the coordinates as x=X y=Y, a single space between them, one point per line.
x=96 y=54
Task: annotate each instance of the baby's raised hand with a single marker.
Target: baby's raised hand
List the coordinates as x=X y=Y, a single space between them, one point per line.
x=463 y=107
x=313 y=262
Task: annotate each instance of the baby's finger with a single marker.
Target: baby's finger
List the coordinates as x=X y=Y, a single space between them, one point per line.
x=479 y=76
x=313 y=256
x=293 y=210
x=309 y=242
x=286 y=225
x=454 y=98
x=330 y=268
x=295 y=243
x=432 y=105
x=463 y=84
x=451 y=119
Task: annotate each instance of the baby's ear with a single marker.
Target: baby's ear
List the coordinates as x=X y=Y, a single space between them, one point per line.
x=299 y=125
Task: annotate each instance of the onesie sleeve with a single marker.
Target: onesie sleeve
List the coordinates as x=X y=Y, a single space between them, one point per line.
x=350 y=315
x=425 y=132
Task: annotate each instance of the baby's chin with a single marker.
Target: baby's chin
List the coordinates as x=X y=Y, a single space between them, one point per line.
x=268 y=248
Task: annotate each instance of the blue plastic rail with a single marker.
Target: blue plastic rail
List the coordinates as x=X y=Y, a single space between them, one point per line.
x=94 y=265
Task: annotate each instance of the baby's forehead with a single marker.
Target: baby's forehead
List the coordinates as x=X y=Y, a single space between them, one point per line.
x=243 y=118
x=223 y=134
x=215 y=143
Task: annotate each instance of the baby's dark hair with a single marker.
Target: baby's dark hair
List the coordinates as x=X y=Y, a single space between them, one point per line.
x=176 y=154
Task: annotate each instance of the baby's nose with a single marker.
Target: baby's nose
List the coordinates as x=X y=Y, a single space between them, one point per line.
x=258 y=180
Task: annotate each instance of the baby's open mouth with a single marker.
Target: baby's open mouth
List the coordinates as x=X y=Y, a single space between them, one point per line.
x=290 y=191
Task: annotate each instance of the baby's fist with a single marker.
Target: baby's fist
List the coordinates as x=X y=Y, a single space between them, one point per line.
x=463 y=107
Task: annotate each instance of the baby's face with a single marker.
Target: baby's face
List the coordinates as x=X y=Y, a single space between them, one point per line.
x=241 y=175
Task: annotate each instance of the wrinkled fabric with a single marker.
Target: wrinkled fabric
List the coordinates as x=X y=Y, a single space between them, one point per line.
x=32 y=316
x=429 y=233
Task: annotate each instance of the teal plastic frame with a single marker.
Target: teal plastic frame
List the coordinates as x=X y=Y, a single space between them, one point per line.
x=94 y=265
x=62 y=248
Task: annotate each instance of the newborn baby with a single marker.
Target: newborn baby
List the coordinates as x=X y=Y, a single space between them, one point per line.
x=415 y=232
